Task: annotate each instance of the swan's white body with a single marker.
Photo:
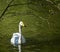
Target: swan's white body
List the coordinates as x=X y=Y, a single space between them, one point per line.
x=17 y=38
x=18 y=41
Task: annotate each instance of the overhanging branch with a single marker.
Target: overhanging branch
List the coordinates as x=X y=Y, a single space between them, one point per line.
x=6 y=8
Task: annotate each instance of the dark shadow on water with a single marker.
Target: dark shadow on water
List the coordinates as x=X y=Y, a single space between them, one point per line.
x=35 y=45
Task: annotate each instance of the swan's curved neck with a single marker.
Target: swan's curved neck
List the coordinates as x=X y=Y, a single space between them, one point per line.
x=20 y=28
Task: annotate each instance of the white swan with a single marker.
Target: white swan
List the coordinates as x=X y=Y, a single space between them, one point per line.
x=18 y=38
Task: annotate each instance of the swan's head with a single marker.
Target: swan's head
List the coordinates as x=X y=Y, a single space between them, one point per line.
x=21 y=23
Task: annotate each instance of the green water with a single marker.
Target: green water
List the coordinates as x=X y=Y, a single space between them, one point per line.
x=42 y=19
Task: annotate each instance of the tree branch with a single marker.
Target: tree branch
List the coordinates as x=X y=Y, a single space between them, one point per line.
x=19 y=4
x=6 y=8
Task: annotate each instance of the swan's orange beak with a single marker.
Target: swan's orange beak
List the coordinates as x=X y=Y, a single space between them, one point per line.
x=23 y=25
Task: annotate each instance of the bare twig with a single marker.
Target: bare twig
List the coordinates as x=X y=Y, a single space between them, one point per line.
x=19 y=4
x=6 y=8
